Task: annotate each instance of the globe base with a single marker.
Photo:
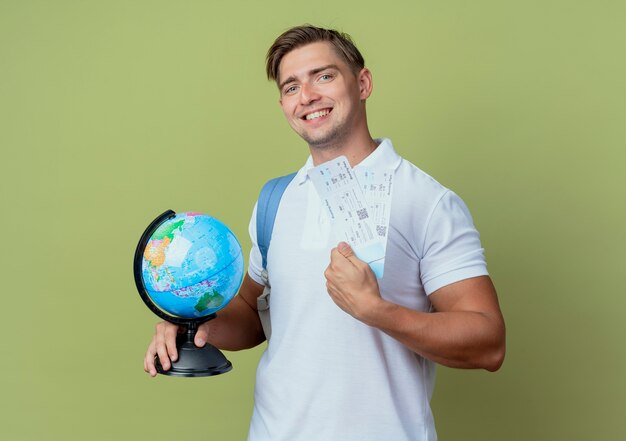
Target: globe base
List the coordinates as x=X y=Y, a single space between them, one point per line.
x=194 y=361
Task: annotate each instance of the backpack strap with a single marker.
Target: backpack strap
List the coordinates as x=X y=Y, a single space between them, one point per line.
x=266 y=210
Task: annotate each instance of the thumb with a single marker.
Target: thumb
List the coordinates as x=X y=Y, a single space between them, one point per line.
x=346 y=250
x=201 y=335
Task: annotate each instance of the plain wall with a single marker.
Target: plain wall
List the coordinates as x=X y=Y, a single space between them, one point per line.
x=113 y=111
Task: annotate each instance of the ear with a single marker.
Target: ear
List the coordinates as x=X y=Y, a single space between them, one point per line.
x=364 y=79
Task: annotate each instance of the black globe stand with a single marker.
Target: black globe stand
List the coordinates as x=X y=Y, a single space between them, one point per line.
x=192 y=360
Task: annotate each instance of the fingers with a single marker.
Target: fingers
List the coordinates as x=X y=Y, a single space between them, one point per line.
x=146 y=366
x=337 y=260
x=163 y=345
x=341 y=266
x=334 y=268
x=201 y=335
x=332 y=290
x=165 y=339
x=148 y=361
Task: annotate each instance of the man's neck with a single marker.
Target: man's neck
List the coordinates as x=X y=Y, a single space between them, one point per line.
x=356 y=150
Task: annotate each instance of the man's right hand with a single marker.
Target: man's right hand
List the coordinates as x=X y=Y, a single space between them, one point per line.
x=163 y=345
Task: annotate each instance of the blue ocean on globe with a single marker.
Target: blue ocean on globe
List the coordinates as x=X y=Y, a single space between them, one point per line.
x=192 y=266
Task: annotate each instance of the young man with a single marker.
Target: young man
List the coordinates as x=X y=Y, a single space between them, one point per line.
x=352 y=357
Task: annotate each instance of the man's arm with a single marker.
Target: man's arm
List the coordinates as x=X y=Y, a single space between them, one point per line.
x=466 y=330
x=236 y=327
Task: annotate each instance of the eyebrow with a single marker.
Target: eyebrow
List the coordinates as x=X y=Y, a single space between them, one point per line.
x=310 y=73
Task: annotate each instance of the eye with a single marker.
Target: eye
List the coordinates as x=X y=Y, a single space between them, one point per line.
x=326 y=77
x=290 y=90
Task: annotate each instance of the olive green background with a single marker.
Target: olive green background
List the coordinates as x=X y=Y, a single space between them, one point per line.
x=113 y=111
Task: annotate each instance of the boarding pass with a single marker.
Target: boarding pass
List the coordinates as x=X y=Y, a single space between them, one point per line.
x=358 y=203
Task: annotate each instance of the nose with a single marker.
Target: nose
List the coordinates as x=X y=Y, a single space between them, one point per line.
x=308 y=94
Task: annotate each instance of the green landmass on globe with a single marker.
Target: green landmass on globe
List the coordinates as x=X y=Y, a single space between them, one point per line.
x=209 y=300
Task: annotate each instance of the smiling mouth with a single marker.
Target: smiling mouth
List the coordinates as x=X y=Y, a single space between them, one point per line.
x=317 y=114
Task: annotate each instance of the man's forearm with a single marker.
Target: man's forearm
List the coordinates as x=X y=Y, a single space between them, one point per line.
x=459 y=339
x=236 y=327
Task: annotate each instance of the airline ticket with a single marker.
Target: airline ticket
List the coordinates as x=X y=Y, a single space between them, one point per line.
x=358 y=207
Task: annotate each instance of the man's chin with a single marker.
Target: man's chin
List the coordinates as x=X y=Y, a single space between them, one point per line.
x=327 y=141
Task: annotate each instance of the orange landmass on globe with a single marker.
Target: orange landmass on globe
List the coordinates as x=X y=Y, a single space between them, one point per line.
x=155 y=251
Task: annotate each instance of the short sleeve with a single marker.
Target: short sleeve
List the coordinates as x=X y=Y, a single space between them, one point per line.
x=451 y=249
x=255 y=262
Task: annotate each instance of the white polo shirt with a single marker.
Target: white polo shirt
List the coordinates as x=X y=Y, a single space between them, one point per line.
x=325 y=376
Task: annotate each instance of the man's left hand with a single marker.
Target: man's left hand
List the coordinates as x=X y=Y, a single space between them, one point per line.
x=351 y=283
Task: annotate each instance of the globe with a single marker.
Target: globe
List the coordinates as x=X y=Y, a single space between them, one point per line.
x=188 y=266
x=192 y=266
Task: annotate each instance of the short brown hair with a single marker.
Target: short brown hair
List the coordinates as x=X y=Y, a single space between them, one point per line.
x=302 y=35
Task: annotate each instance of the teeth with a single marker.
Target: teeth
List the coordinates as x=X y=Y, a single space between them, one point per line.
x=317 y=114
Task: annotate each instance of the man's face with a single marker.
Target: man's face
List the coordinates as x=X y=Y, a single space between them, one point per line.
x=321 y=97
